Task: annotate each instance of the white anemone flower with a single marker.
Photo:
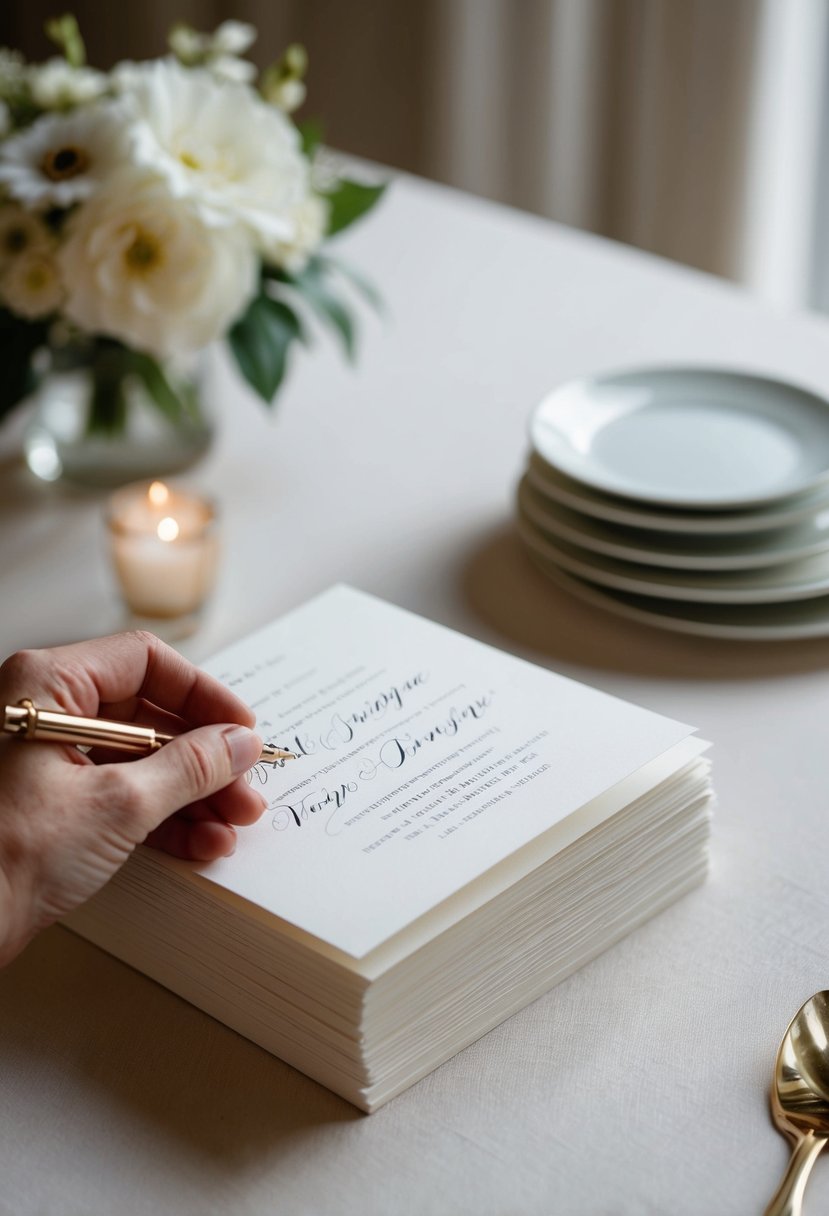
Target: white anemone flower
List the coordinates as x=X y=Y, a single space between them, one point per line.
x=32 y=286
x=56 y=85
x=141 y=266
x=20 y=233
x=220 y=146
x=63 y=158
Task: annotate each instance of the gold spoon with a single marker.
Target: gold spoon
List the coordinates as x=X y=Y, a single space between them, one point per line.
x=800 y=1099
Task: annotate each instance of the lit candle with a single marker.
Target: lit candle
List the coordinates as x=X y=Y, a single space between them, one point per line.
x=164 y=549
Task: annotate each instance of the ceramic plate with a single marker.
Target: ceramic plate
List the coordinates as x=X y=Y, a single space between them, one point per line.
x=806 y=579
x=677 y=552
x=752 y=623
x=594 y=503
x=686 y=437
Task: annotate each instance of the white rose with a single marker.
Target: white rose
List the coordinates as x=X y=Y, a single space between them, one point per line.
x=218 y=145
x=141 y=266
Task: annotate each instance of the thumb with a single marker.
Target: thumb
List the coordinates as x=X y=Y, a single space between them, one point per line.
x=195 y=765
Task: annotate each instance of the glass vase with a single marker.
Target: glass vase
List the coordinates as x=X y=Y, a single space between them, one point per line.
x=105 y=415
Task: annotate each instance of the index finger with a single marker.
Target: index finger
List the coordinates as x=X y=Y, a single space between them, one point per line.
x=81 y=676
x=178 y=686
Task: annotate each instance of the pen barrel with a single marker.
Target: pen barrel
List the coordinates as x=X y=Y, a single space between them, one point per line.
x=92 y=732
x=52 y=726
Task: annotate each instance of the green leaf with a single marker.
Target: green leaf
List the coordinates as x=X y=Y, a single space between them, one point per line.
x=108 y=403
x=311 y=133
x=311 y=285
x=260 y=342
x=366 y=289
x=171 y=402
x=349 y=201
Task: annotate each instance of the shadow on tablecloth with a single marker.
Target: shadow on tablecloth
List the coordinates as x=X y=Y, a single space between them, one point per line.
x=508 y=593
x=93 y=1035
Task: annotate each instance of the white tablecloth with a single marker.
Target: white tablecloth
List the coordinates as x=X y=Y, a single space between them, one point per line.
x=639 y=1085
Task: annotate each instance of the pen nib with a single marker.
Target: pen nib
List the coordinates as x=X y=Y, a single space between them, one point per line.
x=271 y=754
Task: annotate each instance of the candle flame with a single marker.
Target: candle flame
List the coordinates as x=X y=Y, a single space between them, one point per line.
x=167 y=528
x=158 y=493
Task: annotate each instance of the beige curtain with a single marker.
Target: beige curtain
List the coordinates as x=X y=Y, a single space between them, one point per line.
x=692 y=128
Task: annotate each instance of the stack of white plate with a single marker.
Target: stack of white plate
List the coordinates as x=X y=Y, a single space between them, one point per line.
x=692 y=499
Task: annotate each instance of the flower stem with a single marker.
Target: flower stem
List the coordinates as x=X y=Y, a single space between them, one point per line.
x=108 y=401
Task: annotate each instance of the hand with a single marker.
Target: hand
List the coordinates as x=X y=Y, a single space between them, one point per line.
x=68 y=820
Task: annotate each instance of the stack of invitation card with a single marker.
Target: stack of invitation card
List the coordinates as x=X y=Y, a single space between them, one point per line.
x=460 y=831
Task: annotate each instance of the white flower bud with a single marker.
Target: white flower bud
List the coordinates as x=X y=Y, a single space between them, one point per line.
x=288 y=95
x=187 y=43
x=228 y=67
x=56 y=85
x=233 y=38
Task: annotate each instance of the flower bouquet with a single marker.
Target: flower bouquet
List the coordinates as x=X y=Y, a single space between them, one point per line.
x=148 y=211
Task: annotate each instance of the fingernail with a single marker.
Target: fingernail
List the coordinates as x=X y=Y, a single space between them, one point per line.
x=244 y=748
x=265 y=802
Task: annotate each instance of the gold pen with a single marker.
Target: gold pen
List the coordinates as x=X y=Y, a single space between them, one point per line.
x=26 y=721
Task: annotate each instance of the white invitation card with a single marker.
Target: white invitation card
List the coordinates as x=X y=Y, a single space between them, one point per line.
x=424 y=759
